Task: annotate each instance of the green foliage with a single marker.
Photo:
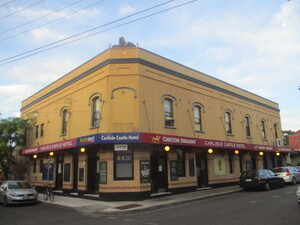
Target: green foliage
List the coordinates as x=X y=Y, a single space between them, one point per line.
x=12 y=135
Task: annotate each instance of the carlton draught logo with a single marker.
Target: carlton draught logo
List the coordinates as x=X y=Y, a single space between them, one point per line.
x=156 y=139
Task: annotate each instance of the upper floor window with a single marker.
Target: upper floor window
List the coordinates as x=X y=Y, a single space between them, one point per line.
x=64 y=121
x=276 y=130
x=168 y=110
x=42 y=130
x=95 y=111
x=228 y=122
x=197 y=118
x=247 y=125
x=263 y=129
x=36 y=131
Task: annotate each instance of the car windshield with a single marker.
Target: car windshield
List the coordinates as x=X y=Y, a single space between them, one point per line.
x=249 y=173
x=279 y=170
x=19 y=185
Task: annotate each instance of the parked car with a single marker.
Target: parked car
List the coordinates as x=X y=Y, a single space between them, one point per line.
x=17 y=192
x=298 y=195
x=263 y=178
x=290 y=174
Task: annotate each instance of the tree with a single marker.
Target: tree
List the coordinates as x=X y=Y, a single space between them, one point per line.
x=12 y=136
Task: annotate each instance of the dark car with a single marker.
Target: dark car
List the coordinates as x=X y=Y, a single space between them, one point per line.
x=263 y=178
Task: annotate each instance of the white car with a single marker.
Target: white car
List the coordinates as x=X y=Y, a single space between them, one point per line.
x=298 y=195
x=290 y=174
x=17 y=192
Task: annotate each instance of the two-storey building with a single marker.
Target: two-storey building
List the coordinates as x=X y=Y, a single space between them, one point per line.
x=129 y=123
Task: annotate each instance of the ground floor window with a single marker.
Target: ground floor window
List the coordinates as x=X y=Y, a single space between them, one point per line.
x=181 y=162
x=123 y=161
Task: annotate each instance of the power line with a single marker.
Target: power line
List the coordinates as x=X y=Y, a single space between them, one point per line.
x=12 y=59
x=7 y=3
x=21 y=9
x=39 y=18
x=52 y=21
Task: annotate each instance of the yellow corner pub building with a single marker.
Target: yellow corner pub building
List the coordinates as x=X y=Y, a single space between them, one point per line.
x=129 y=124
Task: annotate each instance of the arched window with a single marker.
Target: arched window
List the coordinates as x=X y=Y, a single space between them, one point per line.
x=168 y=111
x=263 y=129
x=95 y=111
x=64 y=121
x=228 y=122
x=247 y=125
x=198 y=118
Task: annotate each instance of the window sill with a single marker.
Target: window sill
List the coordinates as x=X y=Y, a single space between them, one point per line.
x=249 y=137
x=201 y=132
x=231 y=135
x=63 y=135
x=92 y=128
x=170 y=127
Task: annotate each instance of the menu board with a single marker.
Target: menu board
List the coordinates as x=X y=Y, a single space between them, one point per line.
x=103 y=172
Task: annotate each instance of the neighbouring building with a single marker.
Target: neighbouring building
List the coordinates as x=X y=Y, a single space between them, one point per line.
x=129 y=123
x=294 y=144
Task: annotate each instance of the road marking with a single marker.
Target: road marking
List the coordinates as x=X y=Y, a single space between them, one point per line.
x=128 y=220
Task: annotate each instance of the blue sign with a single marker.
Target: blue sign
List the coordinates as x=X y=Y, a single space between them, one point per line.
x=104 y=138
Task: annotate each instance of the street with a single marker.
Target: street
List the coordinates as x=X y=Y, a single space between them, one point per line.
x=275 y=207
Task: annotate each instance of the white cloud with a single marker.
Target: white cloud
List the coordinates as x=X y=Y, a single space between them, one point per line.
x=126 y=9
x=45 y=34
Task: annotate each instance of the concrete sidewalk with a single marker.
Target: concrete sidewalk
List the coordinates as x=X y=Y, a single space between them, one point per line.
x=102 y=207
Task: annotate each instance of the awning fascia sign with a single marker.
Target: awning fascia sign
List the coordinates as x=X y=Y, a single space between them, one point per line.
x=152 y=138
x=71 y=143
x=207 y=143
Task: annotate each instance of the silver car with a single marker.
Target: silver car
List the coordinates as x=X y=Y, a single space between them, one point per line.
x=17 y=192
x=290 y=174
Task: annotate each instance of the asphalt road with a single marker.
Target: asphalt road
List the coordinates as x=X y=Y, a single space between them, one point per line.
x=275 y=207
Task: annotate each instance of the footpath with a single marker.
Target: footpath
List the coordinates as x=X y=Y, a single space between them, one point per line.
x=88 y=206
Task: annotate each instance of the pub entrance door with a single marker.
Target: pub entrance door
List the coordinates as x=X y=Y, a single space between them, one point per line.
x=159 y=175
x=59 y=171
x=202 y=171
x=93 y=175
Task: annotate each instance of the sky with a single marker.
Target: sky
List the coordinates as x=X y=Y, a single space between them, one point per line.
x=251 y=44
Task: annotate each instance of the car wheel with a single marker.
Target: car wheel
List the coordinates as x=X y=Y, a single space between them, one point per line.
x=282 y=184
x=267 y=187
x=294 y=181
x=5 y=203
